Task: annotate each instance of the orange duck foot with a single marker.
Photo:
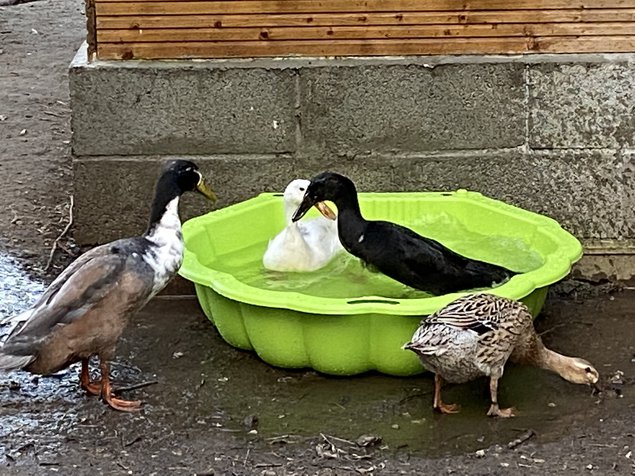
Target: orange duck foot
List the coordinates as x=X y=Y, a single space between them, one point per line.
x=92 y=387
x=108 y=396
x=121 y=404
x=448 y=408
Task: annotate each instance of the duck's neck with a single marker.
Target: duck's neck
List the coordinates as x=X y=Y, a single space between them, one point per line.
x=164 y=205
x=165 y=253
x=165 y=225
x=289 y=210
x=350 y=222
x=549 y=360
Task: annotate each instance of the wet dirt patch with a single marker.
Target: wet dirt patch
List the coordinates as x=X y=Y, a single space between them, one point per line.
x=218 y=410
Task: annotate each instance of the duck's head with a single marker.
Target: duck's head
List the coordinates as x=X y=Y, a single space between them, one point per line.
x=325 y=186
x=580 y=371
x=294 y=195
x=180 y=176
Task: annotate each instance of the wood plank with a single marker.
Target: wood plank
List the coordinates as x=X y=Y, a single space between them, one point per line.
x=347 y=19
x=568 y=44
x=602 y=44
x=317 y=6
x=365 y=32
x=306 y=48
x=91 y=28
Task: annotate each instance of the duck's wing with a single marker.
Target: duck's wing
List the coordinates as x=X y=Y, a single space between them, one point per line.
x=498 y=324
x=76 y=291
x=52 y=289
x=480 y=313
x=431 y=266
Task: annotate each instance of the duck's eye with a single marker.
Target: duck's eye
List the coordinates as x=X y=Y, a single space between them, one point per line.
x=302 y=189
x=588 y=370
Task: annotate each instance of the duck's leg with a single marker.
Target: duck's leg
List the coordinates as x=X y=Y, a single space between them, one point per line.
x=438 y=403
x=106 y=392
x=93 y=387
x=494 y=410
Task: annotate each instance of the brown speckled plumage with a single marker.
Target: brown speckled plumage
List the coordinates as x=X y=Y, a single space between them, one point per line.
x=476 y=335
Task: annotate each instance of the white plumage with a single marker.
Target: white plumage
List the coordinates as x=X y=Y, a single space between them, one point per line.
x=302 y=246
x=166 y=254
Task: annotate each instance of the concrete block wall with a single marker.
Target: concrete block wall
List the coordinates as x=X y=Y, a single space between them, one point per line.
x=550 y=133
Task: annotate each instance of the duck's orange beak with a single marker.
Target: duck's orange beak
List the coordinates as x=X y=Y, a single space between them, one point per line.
x=325 y=210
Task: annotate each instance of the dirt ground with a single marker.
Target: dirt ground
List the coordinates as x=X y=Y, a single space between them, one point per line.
x=37 y=42
x=211 y=409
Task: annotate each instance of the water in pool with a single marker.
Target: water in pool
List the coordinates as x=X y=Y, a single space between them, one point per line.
x=346 y=277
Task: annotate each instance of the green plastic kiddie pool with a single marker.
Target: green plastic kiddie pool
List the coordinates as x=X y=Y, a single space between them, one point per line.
x=344 y=319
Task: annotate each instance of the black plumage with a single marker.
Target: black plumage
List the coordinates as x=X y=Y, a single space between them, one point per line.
x=395 y=250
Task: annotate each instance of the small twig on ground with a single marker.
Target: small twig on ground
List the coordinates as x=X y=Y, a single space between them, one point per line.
x=132 y=442
x=282 y=439
x=521 y=439
x=61 y=235
x=136 y=386
x=327 y=437
x=50 y=113
x=553 y=328
x=9 y=3
x=15 y=216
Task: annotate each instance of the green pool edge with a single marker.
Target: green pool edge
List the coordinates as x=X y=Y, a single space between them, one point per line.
x=343 y=345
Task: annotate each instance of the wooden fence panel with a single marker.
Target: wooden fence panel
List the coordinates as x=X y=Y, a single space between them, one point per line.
x=156 y=29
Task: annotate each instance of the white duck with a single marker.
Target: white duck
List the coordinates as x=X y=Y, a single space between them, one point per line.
x=307 y=245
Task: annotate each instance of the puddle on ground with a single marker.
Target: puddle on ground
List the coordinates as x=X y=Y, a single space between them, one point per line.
x=207 y=389
x=29 y=405
x=17 y=289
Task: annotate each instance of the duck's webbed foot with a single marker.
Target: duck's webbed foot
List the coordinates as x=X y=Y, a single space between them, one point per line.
x=447 y=408
x=121 y=404
x=439 y=406
x=108 y=396
x=494 y=410
x=92 y=387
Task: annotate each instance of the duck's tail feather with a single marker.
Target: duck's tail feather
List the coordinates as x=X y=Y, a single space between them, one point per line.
x=22 y=317
x=14 y=362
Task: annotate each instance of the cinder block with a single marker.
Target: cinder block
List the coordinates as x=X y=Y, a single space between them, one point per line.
x=113 y=194
x=582 y=105
x=412 y=108
x=583 y=190
x=166 y=110
x=628 y=187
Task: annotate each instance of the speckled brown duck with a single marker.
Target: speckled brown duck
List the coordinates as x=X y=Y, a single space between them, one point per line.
x=85 y=310
x=475 y=335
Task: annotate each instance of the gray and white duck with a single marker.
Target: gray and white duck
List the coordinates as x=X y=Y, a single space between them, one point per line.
x=475 y=336
x=87 y=307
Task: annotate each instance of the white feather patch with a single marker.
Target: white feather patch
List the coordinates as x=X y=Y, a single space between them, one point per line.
x=166 y=254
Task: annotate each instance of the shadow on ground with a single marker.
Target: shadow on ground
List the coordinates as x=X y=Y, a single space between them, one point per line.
x=218 y=410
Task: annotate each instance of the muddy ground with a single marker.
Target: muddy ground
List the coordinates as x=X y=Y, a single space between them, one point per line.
x=210 y=409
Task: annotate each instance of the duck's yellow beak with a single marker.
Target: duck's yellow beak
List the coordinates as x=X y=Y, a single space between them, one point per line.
x=325 y=210
x=204 y=190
